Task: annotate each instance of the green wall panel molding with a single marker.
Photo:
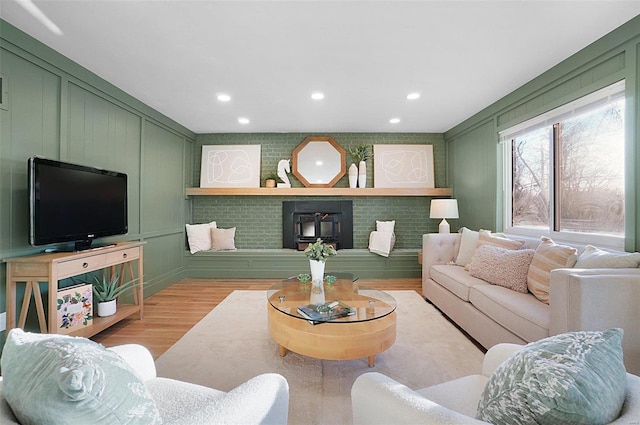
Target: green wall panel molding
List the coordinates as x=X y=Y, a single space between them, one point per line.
x=474 y=161
x=258 y=220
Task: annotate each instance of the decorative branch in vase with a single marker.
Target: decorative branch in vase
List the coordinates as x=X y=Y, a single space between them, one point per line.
x=361 y=154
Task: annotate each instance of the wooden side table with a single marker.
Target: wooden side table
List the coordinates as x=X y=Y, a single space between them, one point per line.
x=52 y=267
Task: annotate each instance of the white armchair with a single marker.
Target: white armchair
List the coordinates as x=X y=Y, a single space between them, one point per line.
x=263 y=399
x=378 y=399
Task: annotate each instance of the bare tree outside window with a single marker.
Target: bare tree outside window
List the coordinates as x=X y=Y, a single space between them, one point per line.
x=591 y=197
x=580 y=190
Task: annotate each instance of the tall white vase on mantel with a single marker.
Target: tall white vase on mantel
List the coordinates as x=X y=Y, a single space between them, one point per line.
x=362 y=174
x=353 y=176
x=317 y=281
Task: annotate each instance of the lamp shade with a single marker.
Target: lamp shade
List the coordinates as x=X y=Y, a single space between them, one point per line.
x=443 y=208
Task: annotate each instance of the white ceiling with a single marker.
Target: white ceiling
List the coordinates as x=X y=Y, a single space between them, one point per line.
x=366 y=56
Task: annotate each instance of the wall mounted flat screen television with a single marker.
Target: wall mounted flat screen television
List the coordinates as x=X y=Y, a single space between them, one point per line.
x=74 y=203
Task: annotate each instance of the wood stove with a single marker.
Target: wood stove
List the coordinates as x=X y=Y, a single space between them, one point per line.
x=305 y=221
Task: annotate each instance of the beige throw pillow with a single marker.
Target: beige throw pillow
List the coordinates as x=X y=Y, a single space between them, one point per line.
x=223 y=239
x=487 y=238
x=549 y=256
x=594 y=258
x=503 y=267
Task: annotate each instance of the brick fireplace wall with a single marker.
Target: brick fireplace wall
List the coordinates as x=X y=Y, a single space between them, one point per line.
x=258 y=219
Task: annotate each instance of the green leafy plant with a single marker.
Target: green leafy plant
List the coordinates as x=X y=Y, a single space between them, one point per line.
x=319 y=251
x=107 y=288
x=360 y=152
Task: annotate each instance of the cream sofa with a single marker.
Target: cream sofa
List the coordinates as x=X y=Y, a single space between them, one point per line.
x=378 y=399
x=263 y=399
x=580 y=299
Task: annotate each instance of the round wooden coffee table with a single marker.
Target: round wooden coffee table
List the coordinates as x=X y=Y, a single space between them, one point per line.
x=368 y=332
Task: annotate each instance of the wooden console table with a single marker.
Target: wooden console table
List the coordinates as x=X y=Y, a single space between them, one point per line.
x=51 y=267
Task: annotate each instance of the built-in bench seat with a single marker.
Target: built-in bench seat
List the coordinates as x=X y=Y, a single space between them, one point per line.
x=280 y=263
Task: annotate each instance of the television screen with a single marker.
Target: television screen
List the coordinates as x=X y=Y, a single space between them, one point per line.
x=74 y=203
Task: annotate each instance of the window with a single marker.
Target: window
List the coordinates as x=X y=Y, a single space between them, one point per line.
x=565 y=170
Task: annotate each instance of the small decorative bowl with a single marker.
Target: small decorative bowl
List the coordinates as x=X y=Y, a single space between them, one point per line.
x=304 y=277
x=330 y=279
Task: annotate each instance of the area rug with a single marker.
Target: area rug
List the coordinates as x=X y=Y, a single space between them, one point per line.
x=232 y=344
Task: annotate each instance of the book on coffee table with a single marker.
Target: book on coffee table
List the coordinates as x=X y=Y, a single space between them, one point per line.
x=319 y=313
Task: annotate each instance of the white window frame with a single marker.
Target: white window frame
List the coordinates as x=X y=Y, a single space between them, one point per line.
x=605 y=94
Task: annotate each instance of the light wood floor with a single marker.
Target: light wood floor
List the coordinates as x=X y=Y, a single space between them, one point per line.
x=170 y=313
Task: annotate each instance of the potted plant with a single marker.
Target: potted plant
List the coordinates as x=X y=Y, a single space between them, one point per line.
x=105 y=292
x=271 y=179
x=317 y=253
x=360 y=153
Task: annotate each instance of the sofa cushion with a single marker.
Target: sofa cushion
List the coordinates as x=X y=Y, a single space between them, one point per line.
x=594 y=258
x=522 y=314
x=455 y=279
x=548 y=256
x=73 y=380
x=500 y=266
x=576 y=378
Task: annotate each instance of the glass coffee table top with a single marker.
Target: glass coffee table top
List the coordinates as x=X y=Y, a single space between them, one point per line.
x=366 y=303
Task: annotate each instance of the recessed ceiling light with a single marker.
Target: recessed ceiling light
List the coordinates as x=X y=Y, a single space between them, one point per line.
x=222 y=97
x=394 y=120
x=317 y=96
x=413 y=96
x=243 y=120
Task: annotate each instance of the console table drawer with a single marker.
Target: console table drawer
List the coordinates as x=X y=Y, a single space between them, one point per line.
x=123 y=255
x=81 y=265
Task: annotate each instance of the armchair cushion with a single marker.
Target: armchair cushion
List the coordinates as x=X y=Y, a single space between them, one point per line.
x=577 y=377
x=73 y=380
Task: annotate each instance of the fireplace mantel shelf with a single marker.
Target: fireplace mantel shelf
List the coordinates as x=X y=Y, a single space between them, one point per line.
x=312 y=191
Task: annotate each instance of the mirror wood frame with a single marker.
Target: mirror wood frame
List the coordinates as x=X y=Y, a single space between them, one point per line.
x=300 y=173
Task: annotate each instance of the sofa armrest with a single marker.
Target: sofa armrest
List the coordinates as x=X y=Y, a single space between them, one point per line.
x=598 y=299
x=496 y=355
x=378 y=399
x=139 y=358
x=438 y=248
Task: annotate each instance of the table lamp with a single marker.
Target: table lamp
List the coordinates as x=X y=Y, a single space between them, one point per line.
x=443 y=208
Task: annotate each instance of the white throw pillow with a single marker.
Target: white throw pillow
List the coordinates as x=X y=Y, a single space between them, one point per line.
x=199 y=236
x=385 y=226
x=594 y=258
x=468 y=244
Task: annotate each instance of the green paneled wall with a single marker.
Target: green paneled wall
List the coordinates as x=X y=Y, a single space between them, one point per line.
x=59 y=110
x=258 y=220
x=475 y=163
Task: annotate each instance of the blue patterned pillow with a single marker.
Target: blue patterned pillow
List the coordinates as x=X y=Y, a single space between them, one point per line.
x=66 y=380
x=572 y=378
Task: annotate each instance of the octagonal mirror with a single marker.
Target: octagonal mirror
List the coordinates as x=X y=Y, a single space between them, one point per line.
x=319 y=162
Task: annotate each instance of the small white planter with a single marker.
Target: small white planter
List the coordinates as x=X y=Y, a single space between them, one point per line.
x=107 y=308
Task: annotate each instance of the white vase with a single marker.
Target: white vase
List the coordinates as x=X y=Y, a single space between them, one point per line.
x=317 y=270
x=107 y=308
x=362 y=174
x=317 y=292
x=353 y=176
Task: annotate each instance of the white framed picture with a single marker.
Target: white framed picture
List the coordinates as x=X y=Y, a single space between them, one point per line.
x=230 y=166
x=403 y=166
